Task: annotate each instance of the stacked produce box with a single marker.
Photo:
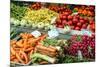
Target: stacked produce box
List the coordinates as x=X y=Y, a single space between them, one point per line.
x=51 y=33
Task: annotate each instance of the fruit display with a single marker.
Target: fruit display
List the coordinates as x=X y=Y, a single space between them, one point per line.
x=18 y=12
x=85 y=11
x=36 y=6
x=59 y=9
x=51 y=33
x=40 y=18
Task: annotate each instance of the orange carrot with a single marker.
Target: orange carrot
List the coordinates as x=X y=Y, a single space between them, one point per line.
x=29 y=49
x=19 y=59
x=12 y=51
x=12 y=57
x=25 y=56
x=43 y=37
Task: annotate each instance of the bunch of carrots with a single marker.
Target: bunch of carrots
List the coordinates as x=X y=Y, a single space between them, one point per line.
x=23 y=48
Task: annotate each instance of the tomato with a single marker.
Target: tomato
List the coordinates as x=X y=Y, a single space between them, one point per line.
x=82 y=21
x=79 y=24
x=61 y=26
x=72 y=27
x=70 y=17
x=66 y=13
x=70 y=22
x=75 y=20
x=84 y=26
x=64 y=17
x=64 y=21
x=77 y=28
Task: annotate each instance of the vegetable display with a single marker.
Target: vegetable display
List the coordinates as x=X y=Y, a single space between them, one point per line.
x=22 y=49
x=51 y=33
x=17 y=12
x=85 y=44
x=40 y=18
x=85 y=11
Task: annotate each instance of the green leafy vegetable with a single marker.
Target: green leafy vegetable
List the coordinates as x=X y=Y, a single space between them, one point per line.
x=48 y=42
x=17 y=12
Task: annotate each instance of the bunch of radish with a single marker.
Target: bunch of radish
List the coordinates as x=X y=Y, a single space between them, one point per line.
x=84 y=43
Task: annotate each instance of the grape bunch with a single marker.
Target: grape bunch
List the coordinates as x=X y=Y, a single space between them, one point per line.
x=83 y=43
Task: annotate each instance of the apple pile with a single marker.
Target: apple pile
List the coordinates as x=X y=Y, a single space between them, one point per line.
x=83 y=43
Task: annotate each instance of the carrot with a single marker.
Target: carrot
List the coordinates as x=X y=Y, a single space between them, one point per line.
x=12 y=51
x=26 y=47
x=13 y=42
x=29 y=49
x=19 y=59
x=45 y=48
x=12 y=57
x=43 y=37
x=31 y=52
x=16 y=60
x=25 y=56
x=20 y=43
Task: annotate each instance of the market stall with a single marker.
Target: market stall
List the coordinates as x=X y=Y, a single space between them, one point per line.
x=51 y=33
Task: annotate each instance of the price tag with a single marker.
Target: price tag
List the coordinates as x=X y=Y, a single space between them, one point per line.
x=36 y=33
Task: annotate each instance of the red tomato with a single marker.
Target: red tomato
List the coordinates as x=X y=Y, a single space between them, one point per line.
x=66 y=13
x=75 y=20
x=72 y=27
x=82 y=21
x=70 y=22
x=79 y=24
x=77 y=28
x=70 y=17
x=61 y=26
x=84 y=26
x=64 y=21
x=64 y=17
